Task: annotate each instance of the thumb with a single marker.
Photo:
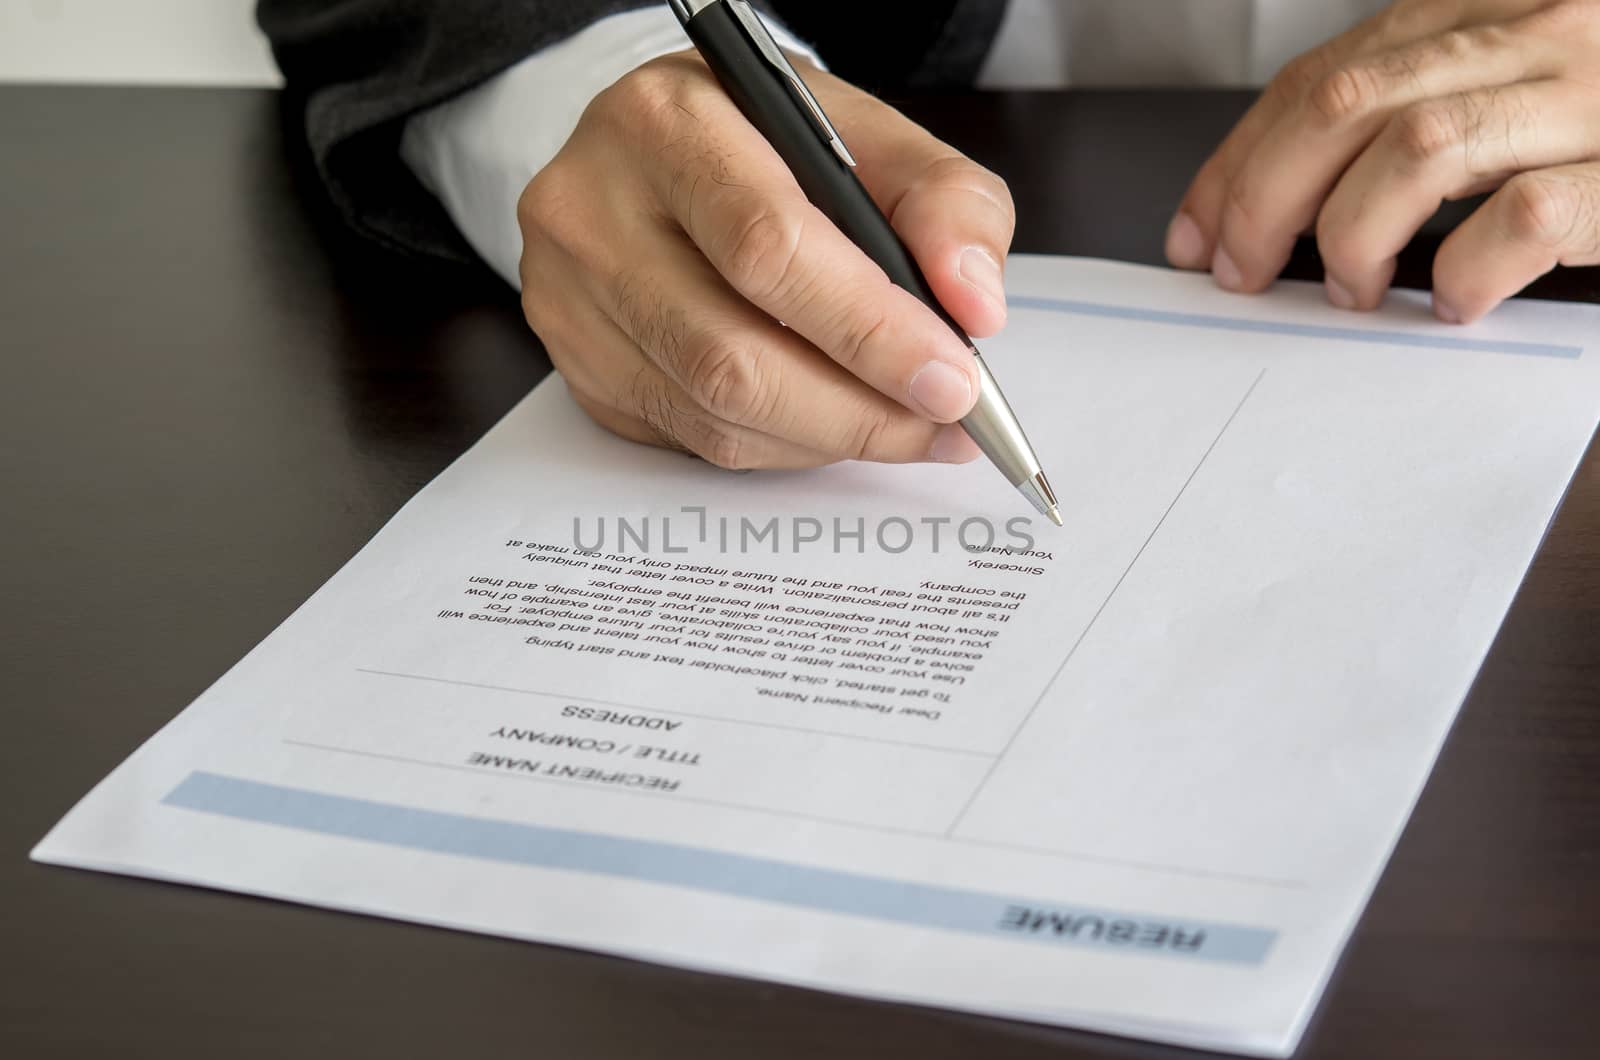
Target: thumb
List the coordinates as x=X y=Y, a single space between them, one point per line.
x=957 y=219
x=955 y=216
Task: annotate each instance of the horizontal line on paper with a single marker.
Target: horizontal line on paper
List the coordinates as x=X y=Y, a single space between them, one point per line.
x=683 y=713
x=637 y=792
x=1109 y=861
x=1372 y=336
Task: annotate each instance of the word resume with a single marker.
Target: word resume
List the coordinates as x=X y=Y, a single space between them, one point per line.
x=880 y=730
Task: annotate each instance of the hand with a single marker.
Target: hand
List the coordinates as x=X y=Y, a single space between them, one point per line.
x=667 y=240
x=1366 y=135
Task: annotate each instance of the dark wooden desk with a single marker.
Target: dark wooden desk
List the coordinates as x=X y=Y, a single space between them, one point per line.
x=210 y=398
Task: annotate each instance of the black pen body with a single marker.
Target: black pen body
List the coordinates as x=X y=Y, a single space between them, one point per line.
x=763 y=84
x=783 y=117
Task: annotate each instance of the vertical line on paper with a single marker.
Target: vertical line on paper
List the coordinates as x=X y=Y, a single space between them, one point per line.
x=995 y=762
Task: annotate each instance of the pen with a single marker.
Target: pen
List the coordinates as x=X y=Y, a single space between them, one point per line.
x=753 y=70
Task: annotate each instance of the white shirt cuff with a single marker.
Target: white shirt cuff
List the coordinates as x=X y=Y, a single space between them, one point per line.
x=478 y=151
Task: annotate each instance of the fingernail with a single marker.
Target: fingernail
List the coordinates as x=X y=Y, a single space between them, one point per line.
x=1445 y=312
x=1338 y=293
x=979 y=269
x=952 y=445
x=942 y=390
x=1225 y=272
x=1186 y=244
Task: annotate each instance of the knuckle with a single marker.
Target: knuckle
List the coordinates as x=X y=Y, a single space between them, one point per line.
x=869 y=437
x=644 y=97
x=553 y=212
x=1539 y=209
x=1454 y=45
x=1344 y=95
x=762 y=246
x=1406 y=21
x=726 y=446
x=657 y=105
x=952 y=168
x=542 y=198
x=1241 y=209
x=690 y=164
x=858 y=332
x=1425 y=131
x=960 y=173
x=1299 y=76
x=1340 y=250
x=995 y=186
x=724 y=378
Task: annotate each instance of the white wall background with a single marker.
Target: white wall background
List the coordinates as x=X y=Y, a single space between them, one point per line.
x=182 y=42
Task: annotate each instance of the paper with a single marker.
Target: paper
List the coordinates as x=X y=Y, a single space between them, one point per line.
x=1137 y=775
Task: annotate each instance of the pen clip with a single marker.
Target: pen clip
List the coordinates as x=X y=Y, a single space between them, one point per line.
x=762 y=39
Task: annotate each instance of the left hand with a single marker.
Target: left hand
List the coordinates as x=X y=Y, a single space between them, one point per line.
x=1365 y=136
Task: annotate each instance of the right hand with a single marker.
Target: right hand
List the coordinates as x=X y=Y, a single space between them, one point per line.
x=666 y=240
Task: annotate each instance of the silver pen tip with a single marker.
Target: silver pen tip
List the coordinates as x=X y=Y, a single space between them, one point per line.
x=1037 y=490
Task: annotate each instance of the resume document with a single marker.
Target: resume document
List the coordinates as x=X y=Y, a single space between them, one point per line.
x=881 y=730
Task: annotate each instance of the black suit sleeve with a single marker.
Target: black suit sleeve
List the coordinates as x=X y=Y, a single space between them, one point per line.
x=356 y=69
x=889 y=45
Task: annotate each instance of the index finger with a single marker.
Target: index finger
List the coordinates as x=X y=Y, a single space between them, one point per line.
x=732 y=195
